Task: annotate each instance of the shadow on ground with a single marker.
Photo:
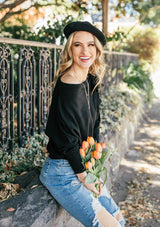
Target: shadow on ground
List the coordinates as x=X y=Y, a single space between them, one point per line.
x=137 y=187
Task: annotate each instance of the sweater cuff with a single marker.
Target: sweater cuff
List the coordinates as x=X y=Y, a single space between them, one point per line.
x=75 y=161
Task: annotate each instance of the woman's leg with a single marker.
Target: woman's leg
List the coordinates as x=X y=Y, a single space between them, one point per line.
x=63 y=184
x=106 y=219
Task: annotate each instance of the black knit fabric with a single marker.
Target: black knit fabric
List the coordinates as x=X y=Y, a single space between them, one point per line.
x=84 y=26
x=70 y=121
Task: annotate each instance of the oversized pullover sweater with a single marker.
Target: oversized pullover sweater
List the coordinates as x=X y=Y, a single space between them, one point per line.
x=72 y=118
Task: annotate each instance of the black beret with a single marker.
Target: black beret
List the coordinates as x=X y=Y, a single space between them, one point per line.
x=84 y=26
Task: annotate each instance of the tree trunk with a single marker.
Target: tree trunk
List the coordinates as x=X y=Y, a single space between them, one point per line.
x=105 y=10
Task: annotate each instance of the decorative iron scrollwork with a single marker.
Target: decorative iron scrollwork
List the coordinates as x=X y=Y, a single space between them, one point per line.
x=6 y=99
x=44 y=87
x=26 y=94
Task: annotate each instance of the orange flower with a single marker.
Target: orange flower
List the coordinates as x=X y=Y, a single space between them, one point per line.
x=88 y=165
x=103 y=145
x=98 y=147
x=90 y=140
x=92 y=154
x=85 y=145
x=93 y=157
x=97 y=155
x=82 y=152
x=93 y=161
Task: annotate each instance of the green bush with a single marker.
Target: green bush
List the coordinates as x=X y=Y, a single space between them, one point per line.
x=48 y=33
x=138 y=78
x=116 y=103
x=26 y=158
x=144 y=41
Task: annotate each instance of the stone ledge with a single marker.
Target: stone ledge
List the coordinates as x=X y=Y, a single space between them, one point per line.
x=121 y=141
x=35 y=207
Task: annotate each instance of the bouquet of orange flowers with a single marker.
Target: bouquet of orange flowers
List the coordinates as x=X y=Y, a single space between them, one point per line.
x=93 y=156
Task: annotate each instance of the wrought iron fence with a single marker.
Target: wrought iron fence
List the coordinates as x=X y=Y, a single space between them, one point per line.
x=26 y=89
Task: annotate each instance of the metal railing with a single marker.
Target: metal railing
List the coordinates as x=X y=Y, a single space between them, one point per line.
x=25 y=85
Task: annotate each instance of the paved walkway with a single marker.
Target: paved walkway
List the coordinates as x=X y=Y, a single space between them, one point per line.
x=137 y=188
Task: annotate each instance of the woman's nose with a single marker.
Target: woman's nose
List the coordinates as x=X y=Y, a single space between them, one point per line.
x=85 y=50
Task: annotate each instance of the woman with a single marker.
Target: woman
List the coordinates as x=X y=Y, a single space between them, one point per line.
x=74 y=115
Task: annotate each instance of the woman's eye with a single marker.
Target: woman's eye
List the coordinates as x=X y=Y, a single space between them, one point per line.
x=91 y=44
x=77 y=45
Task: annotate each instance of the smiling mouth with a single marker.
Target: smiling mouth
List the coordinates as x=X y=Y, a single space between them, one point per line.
x=84 y=58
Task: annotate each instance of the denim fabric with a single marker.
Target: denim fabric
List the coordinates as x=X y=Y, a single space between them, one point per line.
x=63 y=184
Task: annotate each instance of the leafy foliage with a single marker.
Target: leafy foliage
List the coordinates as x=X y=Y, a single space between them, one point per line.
x=47 y=33
x=116 y=36
x=145 y=42
x=114 y=39
x=31 y=156
x=139 y=79
x=148 y=11
x=18 y=9
x=152 y=12
x=54 y=30
x=116 y=103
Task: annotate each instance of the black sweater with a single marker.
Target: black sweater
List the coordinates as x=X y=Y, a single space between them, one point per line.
x=71 y=120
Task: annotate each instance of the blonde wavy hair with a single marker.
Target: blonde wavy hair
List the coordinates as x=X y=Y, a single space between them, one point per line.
x=96 y=69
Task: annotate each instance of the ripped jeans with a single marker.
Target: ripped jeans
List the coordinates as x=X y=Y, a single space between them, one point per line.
x=63 y=184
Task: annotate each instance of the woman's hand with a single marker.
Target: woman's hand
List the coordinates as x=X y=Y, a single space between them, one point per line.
x=91 y=187
x=95 y=187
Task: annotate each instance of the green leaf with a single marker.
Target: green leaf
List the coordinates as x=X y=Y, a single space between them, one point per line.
x=87 y=158
x=105 y=169
x=90 y=178
x=105 y=156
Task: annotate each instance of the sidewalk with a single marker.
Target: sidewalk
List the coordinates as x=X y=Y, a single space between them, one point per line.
x=137 y=187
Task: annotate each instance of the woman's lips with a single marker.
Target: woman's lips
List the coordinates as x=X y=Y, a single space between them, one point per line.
x=84 y=59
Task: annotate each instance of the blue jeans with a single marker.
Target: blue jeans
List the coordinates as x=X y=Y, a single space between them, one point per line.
x=63 y=184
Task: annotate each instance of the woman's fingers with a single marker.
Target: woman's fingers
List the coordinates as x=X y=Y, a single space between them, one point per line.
x=95 y=187
x=92 y=188
x=100 y=188
x=100 y=185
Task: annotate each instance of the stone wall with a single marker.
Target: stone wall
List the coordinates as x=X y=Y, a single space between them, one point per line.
x=34 y=206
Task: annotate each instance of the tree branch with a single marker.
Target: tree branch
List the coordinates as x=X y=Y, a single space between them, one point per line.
x=11 y=5
x=11 y=13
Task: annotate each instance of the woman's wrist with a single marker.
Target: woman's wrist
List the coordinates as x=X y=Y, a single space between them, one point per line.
x=82 y=176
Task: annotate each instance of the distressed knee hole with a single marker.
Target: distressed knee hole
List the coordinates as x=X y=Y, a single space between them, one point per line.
x=106 y=219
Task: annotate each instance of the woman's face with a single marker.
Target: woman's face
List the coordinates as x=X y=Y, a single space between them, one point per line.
x=83 y=50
